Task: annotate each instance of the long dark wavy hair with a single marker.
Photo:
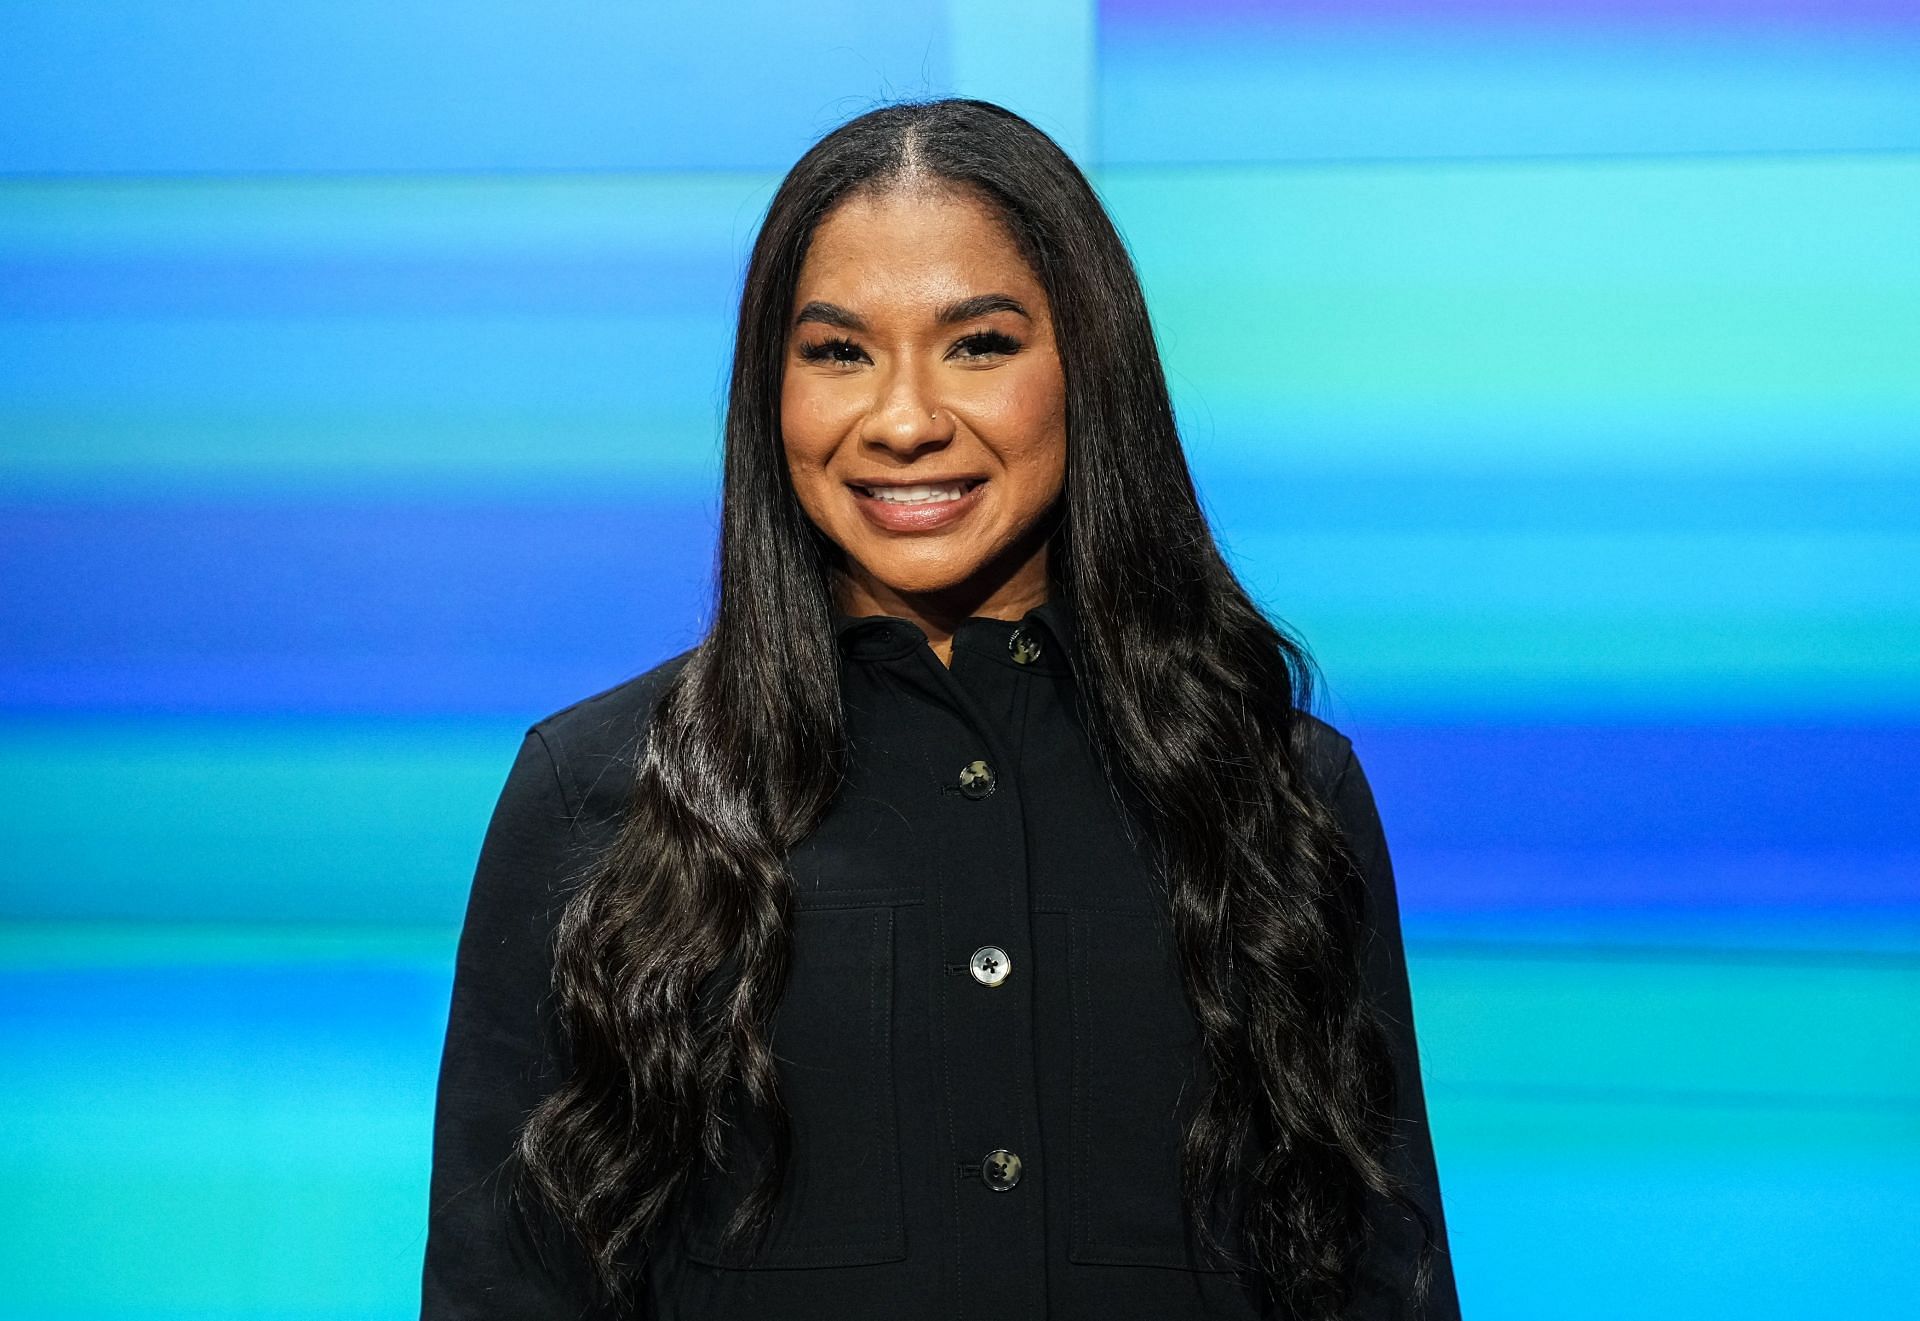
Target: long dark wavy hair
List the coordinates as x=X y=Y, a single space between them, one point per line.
x=672 y=953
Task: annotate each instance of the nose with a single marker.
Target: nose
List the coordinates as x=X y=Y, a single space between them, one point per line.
x=905 y=419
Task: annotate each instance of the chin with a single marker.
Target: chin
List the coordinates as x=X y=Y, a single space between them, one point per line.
x=912 y=576
x=913 y=584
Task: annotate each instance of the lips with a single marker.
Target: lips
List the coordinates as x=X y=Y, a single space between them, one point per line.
x=918 y=507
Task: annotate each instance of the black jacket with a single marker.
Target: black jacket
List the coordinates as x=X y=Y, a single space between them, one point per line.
x=984 y=1042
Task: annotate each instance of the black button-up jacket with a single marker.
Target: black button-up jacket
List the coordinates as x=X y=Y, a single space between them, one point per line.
x=992 y=1137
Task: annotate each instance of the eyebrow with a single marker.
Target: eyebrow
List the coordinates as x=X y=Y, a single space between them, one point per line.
x=966 y=309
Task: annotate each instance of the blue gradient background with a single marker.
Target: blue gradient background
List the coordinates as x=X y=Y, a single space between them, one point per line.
x=1554 y=370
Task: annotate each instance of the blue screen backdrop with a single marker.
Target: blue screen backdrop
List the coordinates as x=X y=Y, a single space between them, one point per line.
x=1553 y=370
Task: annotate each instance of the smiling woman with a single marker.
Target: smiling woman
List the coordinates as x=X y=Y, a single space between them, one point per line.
x=977 y=921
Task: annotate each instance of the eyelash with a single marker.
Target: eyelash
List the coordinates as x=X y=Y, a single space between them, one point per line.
x=986 y=341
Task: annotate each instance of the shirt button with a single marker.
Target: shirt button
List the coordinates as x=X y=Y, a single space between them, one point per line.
x=990 y=965
x=1024 y=646
x=976 y=779
x=1001 y=1170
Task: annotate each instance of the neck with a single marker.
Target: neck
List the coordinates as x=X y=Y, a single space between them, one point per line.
x=939 y=613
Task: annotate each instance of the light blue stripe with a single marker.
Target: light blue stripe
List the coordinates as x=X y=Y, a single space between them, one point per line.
x=1465 y=85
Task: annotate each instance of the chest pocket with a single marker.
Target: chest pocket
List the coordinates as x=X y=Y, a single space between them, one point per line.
x=1136 y=1076
x=833 y=1041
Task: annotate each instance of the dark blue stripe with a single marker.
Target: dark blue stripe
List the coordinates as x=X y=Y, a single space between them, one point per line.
x=1635 y=792
x=394 y=609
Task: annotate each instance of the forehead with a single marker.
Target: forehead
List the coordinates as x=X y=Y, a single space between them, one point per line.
x=911 y=247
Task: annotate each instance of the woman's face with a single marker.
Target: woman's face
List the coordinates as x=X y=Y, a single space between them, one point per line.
x=923 y=406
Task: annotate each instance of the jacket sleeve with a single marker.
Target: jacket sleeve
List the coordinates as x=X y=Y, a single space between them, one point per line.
x=483 y=1258
x=1387 y=1269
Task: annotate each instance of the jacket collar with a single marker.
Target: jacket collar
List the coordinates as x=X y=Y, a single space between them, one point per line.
x=1051 y=625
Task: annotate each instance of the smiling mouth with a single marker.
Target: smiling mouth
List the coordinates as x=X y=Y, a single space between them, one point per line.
x=929 y=493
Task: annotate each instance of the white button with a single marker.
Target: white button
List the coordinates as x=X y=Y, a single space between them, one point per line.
x=976 y=779
x=989 y=965
x=1000 y=1170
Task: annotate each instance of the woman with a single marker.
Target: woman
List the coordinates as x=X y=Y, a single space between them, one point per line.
x=974 y=923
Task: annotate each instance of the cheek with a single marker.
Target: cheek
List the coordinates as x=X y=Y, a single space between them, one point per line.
x=807 y=430
x=819 y=408
x=796 y=414
x=1027 y=416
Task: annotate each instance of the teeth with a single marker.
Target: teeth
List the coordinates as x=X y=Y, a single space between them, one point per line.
x=918 y=495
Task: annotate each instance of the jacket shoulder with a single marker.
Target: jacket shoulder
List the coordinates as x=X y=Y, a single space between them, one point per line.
x=1321 y=751
x=607 y=726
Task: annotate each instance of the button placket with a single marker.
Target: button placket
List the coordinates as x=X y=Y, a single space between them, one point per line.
x=987 y=895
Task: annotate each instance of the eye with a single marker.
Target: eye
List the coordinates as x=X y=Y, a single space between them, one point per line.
x=986 y=344
x=838 y=350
